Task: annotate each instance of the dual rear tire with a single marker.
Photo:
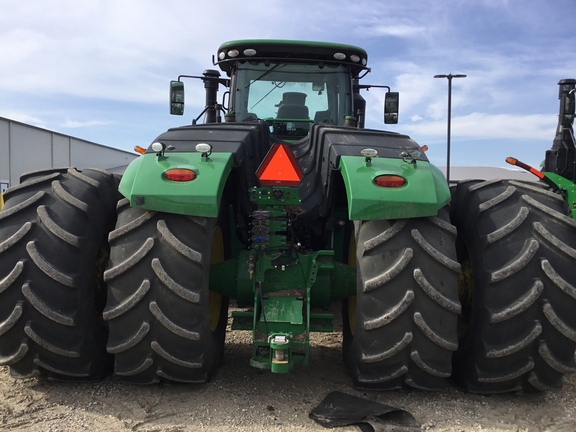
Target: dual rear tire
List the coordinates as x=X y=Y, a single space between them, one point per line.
x=516 y=244
x=157 y=318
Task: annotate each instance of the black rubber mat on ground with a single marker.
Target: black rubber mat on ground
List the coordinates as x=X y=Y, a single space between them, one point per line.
x=341 y=409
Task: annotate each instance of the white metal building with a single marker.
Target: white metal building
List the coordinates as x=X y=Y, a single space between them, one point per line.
x=26 y=148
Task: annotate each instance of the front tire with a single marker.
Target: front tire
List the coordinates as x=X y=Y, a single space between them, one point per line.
x=402 y=330
x=521 y=245
x=164 y=323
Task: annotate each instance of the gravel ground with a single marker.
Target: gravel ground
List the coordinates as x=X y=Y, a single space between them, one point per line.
x=245 y=399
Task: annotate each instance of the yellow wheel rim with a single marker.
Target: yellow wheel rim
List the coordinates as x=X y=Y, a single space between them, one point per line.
x=215 y=299
x=352 y=300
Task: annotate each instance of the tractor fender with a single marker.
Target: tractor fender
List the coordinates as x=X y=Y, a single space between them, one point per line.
x=145 y=185
x=424 y=193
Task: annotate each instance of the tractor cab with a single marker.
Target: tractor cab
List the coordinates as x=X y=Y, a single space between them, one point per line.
x=289 y=85
x=289 y=97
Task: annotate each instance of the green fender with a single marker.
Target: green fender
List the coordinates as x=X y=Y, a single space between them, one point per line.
x=567 y=186
x=425 y=191
x=146 y=187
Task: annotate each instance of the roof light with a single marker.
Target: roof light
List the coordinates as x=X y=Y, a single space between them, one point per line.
x=339 y=56
x=158 y=147
x=355 y=58
x=180 y=174
x=369 y=152
x=221 y=55
x=279 y=167
x=140 y=150
x=364 y=62
x=233 y=53
x=389 y=181
x=203 y=148
x=249 y=52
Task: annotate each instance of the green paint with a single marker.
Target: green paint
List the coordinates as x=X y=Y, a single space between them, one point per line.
x=223 y=278
x=282 y=315
x=144 y=185
x=242 y=320
x=425 y=192
x=567 y=187
x=343 y=281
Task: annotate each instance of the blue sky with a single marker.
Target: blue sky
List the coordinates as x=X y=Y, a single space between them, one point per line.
x=100 y=70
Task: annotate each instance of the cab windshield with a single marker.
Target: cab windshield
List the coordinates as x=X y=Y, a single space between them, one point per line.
x=291 y=96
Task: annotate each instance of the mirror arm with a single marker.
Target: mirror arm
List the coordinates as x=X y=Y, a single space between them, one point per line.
x=369 y=86
x=217 y=108
x=224 y=81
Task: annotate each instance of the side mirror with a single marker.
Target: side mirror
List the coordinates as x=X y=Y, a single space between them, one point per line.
x=567 y=102
x=391 y=108
x=176 y=97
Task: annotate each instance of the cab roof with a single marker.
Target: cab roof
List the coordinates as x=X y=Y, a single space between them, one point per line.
x=291 y=51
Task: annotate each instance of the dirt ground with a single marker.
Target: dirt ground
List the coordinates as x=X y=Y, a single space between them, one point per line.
x=242 y=398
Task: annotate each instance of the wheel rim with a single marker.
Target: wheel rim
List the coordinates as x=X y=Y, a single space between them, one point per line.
x=352 y=300
x=215 y=299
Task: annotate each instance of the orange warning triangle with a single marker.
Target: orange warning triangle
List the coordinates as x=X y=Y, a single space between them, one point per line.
x=279 y=167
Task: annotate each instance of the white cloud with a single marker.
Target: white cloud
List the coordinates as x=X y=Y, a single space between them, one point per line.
x=23 y=118
x=77 y=124
x=485 y=126
x=118 y=50
x=402 y=31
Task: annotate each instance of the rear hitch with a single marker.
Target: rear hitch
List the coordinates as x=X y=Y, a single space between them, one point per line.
x=279 y=358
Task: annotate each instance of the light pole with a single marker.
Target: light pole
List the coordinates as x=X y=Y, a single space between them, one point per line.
x=449 y=76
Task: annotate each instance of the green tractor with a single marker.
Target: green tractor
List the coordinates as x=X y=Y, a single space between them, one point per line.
x=281 y=202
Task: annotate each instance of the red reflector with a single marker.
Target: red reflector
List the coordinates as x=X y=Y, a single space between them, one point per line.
x=279 y=167
x=389 y=180
x=180 y=175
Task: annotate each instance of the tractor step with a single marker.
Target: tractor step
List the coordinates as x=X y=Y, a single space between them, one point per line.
x=242 y=320
x=319 y=322
x=282 y=315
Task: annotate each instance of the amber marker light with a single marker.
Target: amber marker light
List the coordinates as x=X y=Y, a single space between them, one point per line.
x=389 y=181
x=180 y=175
x=516 y=162
x=531 y=170
x=140 y=150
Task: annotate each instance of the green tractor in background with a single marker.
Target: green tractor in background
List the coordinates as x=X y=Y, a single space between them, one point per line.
x=285 y=207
